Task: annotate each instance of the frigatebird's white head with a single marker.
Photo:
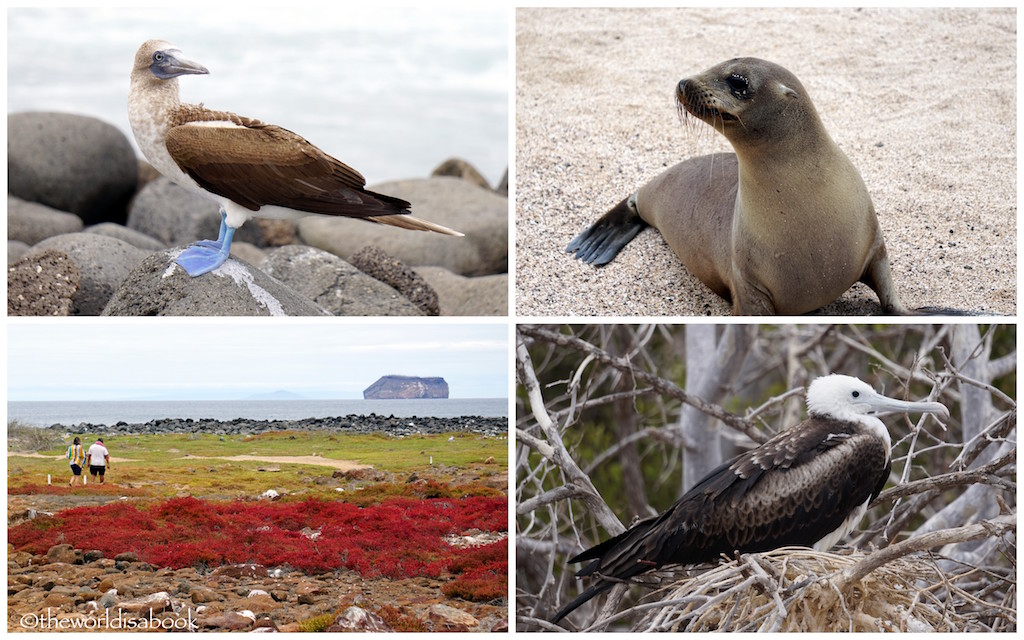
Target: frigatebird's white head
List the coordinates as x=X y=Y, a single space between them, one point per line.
x=165 y=61
x=847 y=398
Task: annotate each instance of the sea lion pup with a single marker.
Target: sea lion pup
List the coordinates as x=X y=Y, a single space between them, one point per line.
x=783 y=226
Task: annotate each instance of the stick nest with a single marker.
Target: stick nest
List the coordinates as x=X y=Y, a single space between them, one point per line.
x=798 y=589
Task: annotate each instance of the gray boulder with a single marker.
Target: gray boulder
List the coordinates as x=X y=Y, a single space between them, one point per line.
x=502 y=188
x=459 y=168
x=334 y=284
x=124 y=234
x=479 y=213
x=177 y=216
x=103 y=262
x=72 y=163
x=380 y=266
x=359 y=620
x=15 y=250
x=42 y=284
x=461 y=296
x=30 y=222
x=248 y=253
x=159 y=287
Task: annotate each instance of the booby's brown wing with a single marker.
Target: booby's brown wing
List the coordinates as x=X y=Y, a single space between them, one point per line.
x=793 y=490
x=256 y=164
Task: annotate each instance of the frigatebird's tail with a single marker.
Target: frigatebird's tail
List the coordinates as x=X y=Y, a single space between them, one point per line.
x=592 y=591
x=614 y=556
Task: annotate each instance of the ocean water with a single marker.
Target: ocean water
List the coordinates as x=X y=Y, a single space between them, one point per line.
x=391 y=91
x=44 y=414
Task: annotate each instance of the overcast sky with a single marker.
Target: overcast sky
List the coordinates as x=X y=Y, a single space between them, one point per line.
x=390 y=90
x=210 y=359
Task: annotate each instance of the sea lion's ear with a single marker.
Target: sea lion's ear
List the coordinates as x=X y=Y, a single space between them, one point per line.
x=789 y=93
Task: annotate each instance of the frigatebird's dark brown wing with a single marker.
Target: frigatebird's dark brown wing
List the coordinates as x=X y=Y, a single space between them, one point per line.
x=793 y=490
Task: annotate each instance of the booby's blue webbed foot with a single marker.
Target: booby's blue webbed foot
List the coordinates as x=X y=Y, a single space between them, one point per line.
x=206 y=255
x=216 y=244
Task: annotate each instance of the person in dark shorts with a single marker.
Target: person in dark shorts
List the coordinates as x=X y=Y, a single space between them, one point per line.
x=76 y=458
x=99 y=459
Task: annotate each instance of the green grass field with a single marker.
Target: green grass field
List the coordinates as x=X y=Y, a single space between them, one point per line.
x=169 y=465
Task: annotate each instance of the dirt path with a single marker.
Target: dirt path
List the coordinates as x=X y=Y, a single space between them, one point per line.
x=39 y=455
x=344 y=465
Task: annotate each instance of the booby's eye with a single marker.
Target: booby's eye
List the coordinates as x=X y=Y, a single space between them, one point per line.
x=856 y=394
x=158 y=56
x=738 y=85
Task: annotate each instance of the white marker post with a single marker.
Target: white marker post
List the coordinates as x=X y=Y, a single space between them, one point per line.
x=47 y=479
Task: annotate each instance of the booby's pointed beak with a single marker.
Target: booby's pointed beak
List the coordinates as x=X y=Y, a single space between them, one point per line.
x=881 y=405
x=169 y=63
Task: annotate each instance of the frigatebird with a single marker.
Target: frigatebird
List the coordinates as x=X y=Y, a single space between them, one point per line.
x=808 y=485
x=250 y=168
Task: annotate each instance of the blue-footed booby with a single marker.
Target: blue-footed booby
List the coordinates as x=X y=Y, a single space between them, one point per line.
x=808 y=485
x=250 y=168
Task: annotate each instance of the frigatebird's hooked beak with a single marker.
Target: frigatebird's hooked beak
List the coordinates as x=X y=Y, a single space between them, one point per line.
x=879 y=405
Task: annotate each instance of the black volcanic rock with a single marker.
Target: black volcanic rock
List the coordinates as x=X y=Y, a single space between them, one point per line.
x=354 y=424
x=406 y=387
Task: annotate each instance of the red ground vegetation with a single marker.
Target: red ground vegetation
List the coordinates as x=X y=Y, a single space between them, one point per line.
x=398 y=538
x=482 y=573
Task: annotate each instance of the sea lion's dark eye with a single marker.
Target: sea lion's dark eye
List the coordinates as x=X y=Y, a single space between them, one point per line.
x=738 y=85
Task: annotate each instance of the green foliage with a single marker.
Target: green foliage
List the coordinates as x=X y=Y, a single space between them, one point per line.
x=170 y=464
x=317 y=624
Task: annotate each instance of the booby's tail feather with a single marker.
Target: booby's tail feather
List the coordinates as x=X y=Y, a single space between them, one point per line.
x=406 y=221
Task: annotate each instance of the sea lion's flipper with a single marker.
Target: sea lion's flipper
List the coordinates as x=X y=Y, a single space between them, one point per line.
x=603 y=240
x=877 y=277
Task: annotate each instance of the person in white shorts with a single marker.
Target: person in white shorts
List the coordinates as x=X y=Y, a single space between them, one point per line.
x=99 y=459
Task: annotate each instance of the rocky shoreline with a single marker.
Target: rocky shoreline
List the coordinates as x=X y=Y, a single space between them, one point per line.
x=351 y=424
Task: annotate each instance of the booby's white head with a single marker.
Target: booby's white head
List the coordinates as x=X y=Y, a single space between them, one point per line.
x=164 y=61
x=847 y=398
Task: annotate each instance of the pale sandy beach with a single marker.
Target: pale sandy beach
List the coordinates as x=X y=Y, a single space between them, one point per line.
x=923 y=101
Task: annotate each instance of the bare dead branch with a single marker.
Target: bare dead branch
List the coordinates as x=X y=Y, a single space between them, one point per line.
x=559 y=455
x=995 y=432
x=665 y=387
x=995 y=527
x=564 y=492
x=983 y=474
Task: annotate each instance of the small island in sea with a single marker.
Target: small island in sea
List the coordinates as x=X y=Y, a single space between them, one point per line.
x=406 y=387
